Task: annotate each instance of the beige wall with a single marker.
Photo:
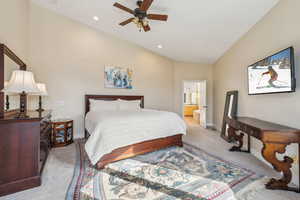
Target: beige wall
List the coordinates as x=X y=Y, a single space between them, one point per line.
x=14 y=19
x=14 y=26
x=70 y=58
x=188 y=71
x=278 y=30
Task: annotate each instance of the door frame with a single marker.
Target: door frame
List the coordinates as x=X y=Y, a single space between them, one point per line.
x=182 y=94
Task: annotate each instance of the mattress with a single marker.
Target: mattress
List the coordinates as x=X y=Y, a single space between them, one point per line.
x=110 y=130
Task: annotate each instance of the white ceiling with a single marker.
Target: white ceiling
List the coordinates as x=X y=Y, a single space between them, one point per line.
x=198 y=31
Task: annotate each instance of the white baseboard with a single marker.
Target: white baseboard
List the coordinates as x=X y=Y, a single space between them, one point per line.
x=210 y=125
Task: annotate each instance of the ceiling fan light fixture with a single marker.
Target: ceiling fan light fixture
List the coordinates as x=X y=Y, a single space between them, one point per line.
x=135 y=20
x=96 y=18
x=145 y=22
x=140 y=14
x=139 y=25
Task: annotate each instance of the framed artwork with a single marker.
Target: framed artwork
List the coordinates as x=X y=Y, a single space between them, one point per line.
x=118 y=77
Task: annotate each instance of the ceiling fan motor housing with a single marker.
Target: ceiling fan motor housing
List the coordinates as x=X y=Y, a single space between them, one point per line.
x=140 y=13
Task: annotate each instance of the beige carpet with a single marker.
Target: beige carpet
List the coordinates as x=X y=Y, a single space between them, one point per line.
x=59 y=169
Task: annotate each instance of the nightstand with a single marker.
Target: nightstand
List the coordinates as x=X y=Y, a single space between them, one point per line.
x=62 y=132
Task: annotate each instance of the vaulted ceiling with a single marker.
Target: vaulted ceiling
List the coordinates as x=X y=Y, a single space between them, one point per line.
x=198 y=31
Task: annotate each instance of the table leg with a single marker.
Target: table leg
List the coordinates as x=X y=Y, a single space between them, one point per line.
x=269 y=153
x=249 y=144
x=239 y=138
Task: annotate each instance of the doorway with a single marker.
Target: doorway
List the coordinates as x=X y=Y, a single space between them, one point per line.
x=194 y=106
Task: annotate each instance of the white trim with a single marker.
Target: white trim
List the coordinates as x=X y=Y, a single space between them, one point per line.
x=210 y=125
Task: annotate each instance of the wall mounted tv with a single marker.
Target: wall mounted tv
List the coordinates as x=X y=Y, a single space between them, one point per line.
x=274 y=74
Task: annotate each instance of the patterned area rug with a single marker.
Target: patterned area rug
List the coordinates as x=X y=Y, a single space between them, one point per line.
x=173 y=173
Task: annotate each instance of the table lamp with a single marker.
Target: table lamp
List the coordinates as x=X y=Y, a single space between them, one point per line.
x=6 y=97
x=43 y=92
x=22 y=82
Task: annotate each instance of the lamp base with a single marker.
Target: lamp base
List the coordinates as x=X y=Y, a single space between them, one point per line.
x=21 y=115
x=40 y=109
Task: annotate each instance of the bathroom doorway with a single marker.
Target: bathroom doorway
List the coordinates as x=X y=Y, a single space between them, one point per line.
x=194 y=107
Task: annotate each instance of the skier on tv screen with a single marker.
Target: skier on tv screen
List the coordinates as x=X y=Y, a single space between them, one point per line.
x=273 y=76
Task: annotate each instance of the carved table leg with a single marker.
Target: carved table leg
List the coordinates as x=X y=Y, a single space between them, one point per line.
x=239 y=138
x=269 y=153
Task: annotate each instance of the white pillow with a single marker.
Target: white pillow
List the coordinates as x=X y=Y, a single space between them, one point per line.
x=100 y=105
x=134 y=105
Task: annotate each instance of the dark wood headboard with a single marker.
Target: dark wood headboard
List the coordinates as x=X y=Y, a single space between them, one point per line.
x=110 y=98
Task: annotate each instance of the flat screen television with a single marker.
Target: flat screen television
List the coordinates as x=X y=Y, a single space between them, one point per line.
x=274 y=74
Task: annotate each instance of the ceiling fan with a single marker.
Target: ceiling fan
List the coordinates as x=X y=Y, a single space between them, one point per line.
x=140 y=14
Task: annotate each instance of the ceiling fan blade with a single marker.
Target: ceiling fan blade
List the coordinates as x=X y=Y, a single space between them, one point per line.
x=147 y=28
x=126 y=22
x=157 y=17
x=124 y=8
x=146 y=5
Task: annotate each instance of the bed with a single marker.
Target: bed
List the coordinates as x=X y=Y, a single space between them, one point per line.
x=98 y=136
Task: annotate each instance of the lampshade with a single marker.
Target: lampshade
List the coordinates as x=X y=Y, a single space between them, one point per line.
x=42 y=88
x=5 y=85
x=21 y=81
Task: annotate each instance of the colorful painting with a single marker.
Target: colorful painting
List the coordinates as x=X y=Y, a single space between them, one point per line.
x=118 y=77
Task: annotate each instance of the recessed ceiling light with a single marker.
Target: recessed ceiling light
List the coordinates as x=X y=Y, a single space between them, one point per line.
x=159 y=46
x=96 y=18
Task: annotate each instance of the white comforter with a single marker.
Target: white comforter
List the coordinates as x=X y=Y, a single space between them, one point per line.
x=114 y=129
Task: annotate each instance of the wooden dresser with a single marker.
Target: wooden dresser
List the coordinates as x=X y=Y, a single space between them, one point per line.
x=24 y=147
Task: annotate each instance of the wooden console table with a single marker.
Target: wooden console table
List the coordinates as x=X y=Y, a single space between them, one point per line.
x=275 y=139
